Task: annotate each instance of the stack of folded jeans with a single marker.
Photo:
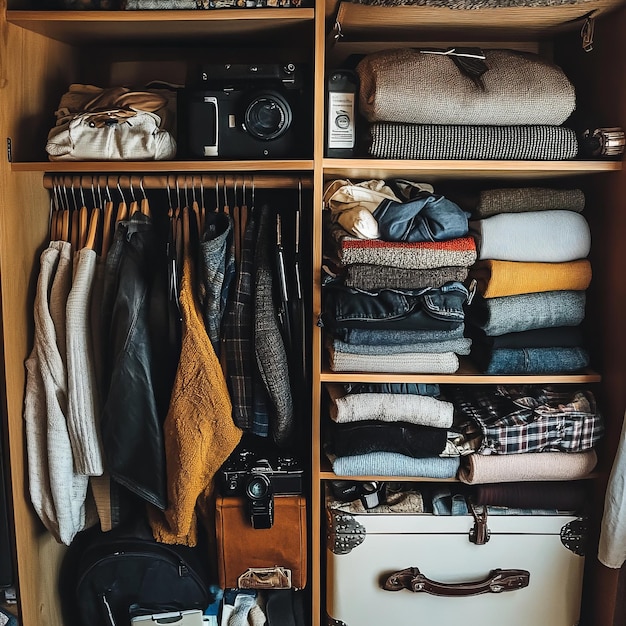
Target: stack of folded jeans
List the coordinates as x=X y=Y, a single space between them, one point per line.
x=393 y=287
x=527 y=432
x=465 y=103
x=531 y=280
x=399 y=428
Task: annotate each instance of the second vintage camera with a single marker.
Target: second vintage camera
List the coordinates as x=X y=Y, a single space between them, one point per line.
x=246 y=111
x=259 y=480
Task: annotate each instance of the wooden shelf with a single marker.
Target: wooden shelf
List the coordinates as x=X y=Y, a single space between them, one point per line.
x=382 y=168
x=248 y=167
x=363 y=22
x=158 y=26
x=466 y=375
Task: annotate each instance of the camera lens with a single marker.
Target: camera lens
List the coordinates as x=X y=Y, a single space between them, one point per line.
x=258 y=487
x=268 y=116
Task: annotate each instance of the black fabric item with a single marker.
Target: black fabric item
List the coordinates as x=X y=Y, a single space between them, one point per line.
x=376 y=436
x=563 y=495
x=421 y=389
x=559 y=337
x=285 y=607
x=111 y=577
x=136 y=358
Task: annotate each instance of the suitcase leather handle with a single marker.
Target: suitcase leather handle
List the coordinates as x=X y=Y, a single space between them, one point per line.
x=497 y=581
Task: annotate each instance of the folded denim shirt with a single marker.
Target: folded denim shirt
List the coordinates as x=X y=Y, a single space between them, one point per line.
x=430 y=308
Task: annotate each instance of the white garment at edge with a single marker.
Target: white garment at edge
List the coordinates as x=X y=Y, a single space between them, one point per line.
x=612 y=547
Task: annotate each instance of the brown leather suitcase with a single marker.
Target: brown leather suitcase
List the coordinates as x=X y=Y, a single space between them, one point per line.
x=261 y=558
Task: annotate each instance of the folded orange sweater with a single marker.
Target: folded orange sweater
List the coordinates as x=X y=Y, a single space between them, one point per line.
x=199 y=431
x=508 y=278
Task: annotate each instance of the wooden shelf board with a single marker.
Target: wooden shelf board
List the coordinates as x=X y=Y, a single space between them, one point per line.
x=465 y=375
x=136 y=26
x=163 y=166
x=382 y=168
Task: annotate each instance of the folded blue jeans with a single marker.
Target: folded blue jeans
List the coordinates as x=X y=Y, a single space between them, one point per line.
x=533 y=360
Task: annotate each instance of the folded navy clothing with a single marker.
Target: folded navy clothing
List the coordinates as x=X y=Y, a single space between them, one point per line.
x=561 y=336
x=553 y=360
x=420 y=389
x=378 y=436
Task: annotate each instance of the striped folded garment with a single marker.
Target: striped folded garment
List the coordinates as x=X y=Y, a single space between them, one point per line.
x=388 y=407
x=389 y=140
x=460 y=252
x=407 y=363
x=494 y=468
x=508 y=278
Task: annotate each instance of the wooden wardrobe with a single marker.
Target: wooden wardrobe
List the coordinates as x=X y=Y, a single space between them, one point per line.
x=42 y=52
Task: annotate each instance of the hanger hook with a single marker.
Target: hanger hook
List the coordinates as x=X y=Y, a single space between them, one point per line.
x=143 y=191
x=130 y=185
x=119 y=188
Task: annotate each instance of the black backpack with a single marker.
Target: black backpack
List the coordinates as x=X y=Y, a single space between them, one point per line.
x=111 y=577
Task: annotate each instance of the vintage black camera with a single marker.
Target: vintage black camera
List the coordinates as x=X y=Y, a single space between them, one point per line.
x=238 y=111
x=258 y=479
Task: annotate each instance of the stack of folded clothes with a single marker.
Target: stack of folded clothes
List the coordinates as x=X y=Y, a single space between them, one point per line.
x=393 y=300
x=526 y=432
x=389 y=429
x=465 y=104
x=531 y=278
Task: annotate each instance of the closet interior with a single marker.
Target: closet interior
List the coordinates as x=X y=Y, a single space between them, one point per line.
x=43 y=52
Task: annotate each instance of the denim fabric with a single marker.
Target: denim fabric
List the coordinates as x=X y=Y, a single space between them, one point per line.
x=134 y=409
x=512 y=314
x=422 y=389
x=217 y=271
x=447 y=503
x=427 y=217
x=534 y=360
x=376 y=337
x=429 y=309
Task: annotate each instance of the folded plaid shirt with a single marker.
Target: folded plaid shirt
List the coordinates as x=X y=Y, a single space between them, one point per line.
x=528 y=418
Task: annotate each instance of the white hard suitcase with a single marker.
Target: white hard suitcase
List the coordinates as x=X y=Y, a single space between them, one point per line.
x=528 y=571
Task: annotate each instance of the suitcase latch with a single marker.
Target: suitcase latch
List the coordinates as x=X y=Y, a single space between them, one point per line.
x=479 y=534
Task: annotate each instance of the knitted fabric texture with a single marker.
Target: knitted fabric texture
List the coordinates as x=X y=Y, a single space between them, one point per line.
x=408 y=86
x=389 y=407
x=508 y=278
x=83 y=415
x=462 y=345
x=535 y=236
x=199 y=431
x=528 y=311
x=374 y=277
x=479 y=468
x=57 y=492
x=269 y=346
x=520 y=200
x=395 y=465
x=409 y=362
x=426 y=255
x=394 y=140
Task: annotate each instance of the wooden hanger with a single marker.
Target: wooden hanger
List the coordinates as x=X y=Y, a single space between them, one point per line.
x=64 y=234
x=83 y=220
x=94 y=227
x=74 y=230
x=107 y=233
x=145 y=205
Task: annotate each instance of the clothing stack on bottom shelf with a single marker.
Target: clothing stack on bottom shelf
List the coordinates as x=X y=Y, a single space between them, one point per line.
x=390 y=429
x=525 y=433
x=531 y=278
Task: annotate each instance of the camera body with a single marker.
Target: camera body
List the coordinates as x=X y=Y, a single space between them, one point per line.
x=259 y=479
x=246 y=111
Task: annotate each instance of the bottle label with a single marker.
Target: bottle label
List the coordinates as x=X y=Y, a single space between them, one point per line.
x=341 y=131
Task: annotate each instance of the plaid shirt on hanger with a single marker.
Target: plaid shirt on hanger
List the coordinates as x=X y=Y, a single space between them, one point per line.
x=528 y=418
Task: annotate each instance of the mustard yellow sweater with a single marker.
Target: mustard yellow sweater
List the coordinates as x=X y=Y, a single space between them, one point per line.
x=199 y=431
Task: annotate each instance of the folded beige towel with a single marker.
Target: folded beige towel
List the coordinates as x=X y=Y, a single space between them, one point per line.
x=495 y=468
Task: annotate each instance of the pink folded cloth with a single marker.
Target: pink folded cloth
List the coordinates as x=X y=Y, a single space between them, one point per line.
x=495 y=468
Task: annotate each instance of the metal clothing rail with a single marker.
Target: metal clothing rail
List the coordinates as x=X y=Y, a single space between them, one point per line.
x=180 y=181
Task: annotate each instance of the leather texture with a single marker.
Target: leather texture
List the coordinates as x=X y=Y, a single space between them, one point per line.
x=240 y=546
